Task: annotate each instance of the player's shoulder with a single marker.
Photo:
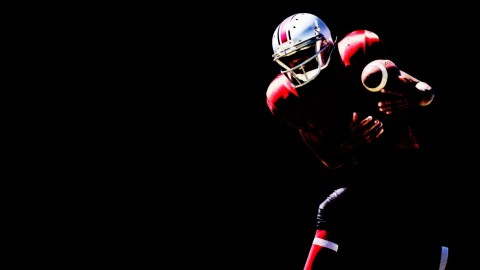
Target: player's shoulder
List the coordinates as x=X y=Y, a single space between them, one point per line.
x=358 y=44
x=278 y=90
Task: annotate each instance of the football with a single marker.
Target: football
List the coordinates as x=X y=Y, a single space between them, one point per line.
x=376 y=74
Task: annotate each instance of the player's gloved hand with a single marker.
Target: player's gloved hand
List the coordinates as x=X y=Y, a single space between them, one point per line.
x=365 y=131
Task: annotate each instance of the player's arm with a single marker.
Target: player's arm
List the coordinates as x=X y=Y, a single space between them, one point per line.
x=359 y=48
x=405 y=93
x=421 y=92
x=336 y=154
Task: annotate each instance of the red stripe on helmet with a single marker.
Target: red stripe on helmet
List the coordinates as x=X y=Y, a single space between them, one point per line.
x=282 y=30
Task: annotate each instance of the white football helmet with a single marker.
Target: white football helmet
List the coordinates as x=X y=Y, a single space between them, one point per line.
x=302 y=45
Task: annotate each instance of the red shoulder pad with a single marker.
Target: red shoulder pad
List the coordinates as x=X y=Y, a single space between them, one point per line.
x=356 y=44
x=279 y=89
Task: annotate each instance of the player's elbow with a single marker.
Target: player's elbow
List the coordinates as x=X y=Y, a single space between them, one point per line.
x=426 y=93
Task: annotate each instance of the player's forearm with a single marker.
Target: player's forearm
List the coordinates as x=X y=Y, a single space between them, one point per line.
x=332 y=154
x=422 y=92
x=425 y=93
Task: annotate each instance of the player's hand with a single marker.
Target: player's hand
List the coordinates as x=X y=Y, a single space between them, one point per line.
x=393 y=101
x=405 y=93
x=365 y=131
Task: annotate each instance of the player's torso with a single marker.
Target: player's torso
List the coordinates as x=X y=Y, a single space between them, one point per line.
x=326 y=100
x=329 y=101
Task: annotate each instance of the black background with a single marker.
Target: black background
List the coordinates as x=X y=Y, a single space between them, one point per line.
x=194 y=169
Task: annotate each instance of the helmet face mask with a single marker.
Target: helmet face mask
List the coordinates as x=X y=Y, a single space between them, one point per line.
x=302 y=46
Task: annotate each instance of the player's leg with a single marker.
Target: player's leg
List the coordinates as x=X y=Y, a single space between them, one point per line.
x=323 y=252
